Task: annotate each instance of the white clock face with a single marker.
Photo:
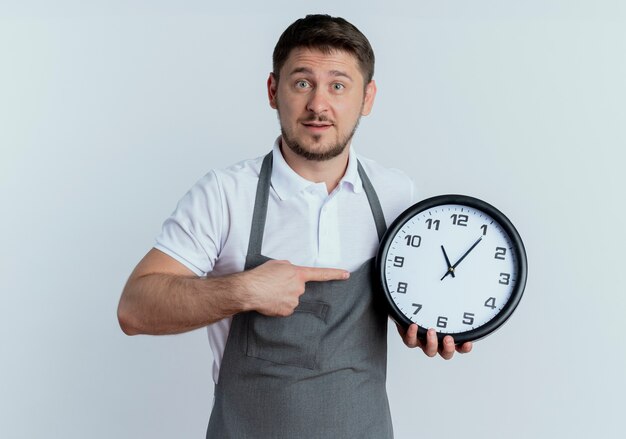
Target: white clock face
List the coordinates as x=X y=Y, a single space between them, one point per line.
x=464 y=291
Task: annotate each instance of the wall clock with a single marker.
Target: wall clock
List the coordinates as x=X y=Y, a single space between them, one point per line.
x=453 y=263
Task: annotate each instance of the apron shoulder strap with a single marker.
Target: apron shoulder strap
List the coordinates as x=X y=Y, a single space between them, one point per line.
x=372 y=197
x=260 y=207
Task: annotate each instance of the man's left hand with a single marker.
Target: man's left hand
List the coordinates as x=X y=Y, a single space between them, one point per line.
x=431 y=347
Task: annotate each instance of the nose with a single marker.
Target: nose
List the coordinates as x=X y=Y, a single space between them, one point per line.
x=318 y=101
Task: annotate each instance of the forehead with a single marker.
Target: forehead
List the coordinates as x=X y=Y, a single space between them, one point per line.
x=319 y=62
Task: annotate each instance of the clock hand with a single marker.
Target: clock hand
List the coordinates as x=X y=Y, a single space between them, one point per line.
x=451 y=269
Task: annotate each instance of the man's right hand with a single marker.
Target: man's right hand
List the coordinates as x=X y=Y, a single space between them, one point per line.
x=274 y=288
x=162 y=296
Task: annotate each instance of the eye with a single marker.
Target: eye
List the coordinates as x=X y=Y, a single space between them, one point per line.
x=337 y=86
x=302 y=84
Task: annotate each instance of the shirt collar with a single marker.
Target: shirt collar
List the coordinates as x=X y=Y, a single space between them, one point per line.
x=351 y=178
x=287 y=183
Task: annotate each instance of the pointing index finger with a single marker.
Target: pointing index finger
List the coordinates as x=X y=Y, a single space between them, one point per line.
x=322 y=274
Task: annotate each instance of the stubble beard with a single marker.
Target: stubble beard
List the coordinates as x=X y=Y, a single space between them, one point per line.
x=323 y=153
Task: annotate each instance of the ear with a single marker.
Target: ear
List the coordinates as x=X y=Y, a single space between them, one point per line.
x=272 y=86
x=368 y=100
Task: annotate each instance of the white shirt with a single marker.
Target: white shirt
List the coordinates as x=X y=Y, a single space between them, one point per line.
x=210 y=228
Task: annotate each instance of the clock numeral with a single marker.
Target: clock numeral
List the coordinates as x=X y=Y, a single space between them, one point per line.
x=398 y=261
x=504 y=278
x=459 y=220
x=413 y=240
x=418 y=307
x=468 y=318
x=402 y=287
x=500 y=252
x=491 y=303
x=484 y=227
x=442 y=322
x=430 y=223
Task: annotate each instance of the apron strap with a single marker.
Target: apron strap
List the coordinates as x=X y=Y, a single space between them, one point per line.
x=262 y=196
x=260 y=207
x=372 y=197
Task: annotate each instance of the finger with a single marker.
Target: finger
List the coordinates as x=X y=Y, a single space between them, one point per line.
x=410 y=336
x=322 y=274
x=447 y=348
x=431 y=343
x=465 y=348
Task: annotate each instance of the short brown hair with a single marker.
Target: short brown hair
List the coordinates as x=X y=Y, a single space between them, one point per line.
x=325 y=33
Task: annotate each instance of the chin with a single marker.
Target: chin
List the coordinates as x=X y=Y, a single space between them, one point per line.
x=316 y=152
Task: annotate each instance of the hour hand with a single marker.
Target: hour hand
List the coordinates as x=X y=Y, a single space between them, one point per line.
x=450 y=268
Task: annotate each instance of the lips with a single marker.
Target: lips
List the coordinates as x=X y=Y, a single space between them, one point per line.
x=317 y=126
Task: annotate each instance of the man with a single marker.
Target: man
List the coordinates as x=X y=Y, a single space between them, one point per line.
x=300 y=348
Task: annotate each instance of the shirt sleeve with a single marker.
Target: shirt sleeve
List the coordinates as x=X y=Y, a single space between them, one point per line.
x=412 y=193
x=404 y=188
x=192 y=233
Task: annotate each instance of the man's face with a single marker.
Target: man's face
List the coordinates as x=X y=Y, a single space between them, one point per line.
x=320 y=99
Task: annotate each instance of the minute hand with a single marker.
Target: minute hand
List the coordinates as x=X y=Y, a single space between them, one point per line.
x=461 y=258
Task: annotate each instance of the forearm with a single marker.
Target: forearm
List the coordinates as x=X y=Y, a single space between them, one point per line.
x=170 y=304
x=162 y=302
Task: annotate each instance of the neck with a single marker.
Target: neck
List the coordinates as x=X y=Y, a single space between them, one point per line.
x=329 y=171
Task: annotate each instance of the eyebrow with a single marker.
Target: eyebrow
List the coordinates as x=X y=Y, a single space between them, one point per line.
x=335 y=73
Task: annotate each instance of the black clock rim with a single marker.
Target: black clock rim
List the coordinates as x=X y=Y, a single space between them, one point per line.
x=507 y=226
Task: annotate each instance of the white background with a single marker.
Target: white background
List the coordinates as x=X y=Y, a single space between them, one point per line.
x=111 y=110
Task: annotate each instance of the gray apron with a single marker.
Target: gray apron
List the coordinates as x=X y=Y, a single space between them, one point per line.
x=319 y=373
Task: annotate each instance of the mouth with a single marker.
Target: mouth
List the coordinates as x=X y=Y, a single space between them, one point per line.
x=317 y=127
